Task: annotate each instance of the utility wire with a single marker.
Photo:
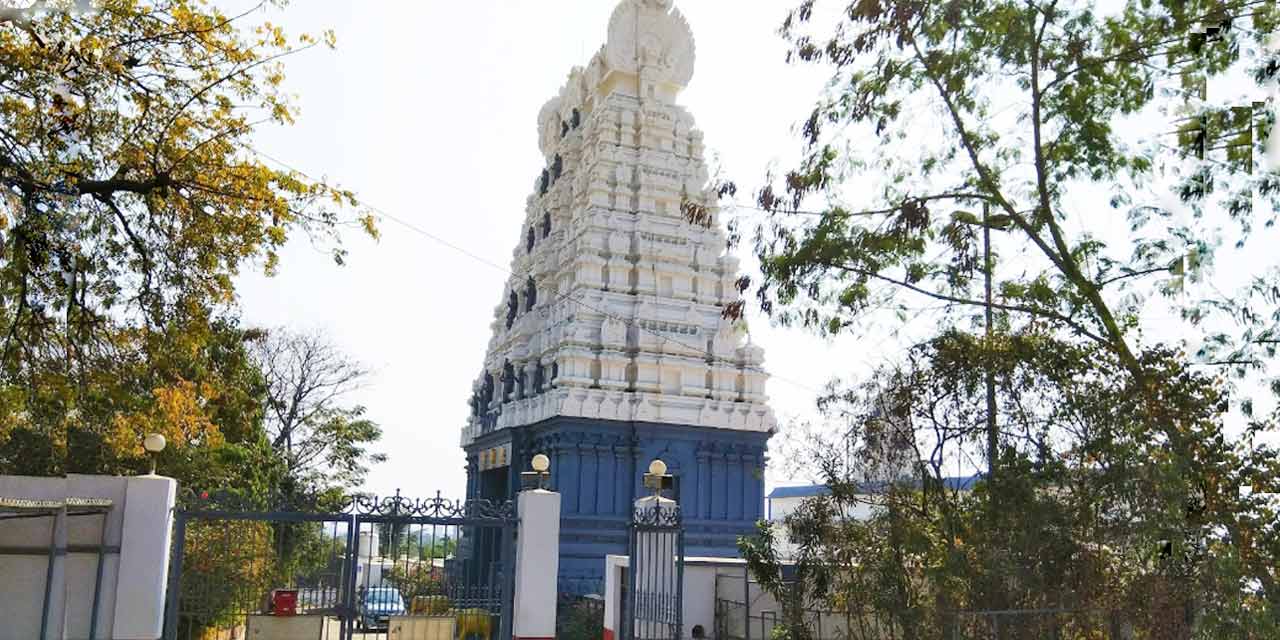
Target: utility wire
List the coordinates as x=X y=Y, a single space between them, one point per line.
x=568 y=295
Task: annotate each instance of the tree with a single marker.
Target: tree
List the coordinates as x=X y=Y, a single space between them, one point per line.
x=196 y=385
x=1092 y=515
x=1014 y=120
x=1072 y=71
x=321 y=442
x=132 y=197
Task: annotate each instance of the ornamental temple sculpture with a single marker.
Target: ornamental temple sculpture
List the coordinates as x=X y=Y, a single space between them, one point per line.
x=609 y=348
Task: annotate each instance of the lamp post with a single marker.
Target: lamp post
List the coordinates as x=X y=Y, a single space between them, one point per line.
x=154 y=443
x=537 y=478
x=657 y=478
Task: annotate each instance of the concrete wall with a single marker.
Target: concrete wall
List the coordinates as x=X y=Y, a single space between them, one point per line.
x=134 y=562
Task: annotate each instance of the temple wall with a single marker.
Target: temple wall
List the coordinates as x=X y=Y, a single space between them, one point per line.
x=596 y=465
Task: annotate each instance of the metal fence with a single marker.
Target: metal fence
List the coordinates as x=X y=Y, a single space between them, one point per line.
x=1063 y=624
x=349 y=569
x=655 y=576
x=758 y=618
x=736 y=621
x=40 y=516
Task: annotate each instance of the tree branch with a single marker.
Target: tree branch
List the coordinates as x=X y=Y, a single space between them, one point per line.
x=1133 y=274
x=1041 y=313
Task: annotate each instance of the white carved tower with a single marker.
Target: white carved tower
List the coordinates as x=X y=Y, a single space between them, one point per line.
x=609 y=345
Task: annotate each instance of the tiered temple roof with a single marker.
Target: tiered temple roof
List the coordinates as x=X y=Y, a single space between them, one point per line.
x=614 y=309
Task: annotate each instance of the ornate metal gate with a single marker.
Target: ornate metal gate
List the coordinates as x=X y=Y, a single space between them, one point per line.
x=354 y=567
x=655 y=578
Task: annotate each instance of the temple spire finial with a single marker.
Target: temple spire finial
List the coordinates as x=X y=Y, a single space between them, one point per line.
x=651 y=36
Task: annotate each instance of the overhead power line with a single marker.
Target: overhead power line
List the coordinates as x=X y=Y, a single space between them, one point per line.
x=568 y=295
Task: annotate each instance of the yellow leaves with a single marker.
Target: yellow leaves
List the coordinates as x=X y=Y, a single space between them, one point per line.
x=167 y=94
x=369 y=224
x=177 y=412
x=272 y=35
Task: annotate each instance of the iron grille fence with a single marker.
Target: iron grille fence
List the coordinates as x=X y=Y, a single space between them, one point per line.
x=1068 y=624
x=350 y=566
x=736 y=620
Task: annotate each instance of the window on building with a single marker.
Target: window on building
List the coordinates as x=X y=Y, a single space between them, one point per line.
x=538 y=373
x=530 y=295
x=545 y=183
x=557 y=167
x=564 y=128
x=529 y=240
x=513 y=307
x=577 y=119
x=546 y=224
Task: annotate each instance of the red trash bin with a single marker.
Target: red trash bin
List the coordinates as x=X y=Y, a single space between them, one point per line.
x=284 y=602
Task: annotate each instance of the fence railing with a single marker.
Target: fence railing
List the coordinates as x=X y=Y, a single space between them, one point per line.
x=738 y=621
x=1093 y=624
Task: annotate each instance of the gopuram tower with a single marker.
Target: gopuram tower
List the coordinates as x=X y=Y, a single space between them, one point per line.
x=609 y=347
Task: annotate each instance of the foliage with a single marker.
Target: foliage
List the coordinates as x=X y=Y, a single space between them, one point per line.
x=417 y=579
x=580 y=619
x=1118 y=479
x=1095 y=510
x=227 y=572
x=193 y=383
x=230 y=568
x=320 y=442
x=941 y=108
x=132 y=197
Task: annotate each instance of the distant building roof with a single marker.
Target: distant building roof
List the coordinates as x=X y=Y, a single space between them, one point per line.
x=960 y=483
x=806 y=491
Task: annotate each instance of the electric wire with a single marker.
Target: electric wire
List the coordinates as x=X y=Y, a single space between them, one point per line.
x=567 y=295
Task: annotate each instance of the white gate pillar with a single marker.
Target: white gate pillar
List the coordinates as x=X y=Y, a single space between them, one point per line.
x=144 y=558
x=537 y=565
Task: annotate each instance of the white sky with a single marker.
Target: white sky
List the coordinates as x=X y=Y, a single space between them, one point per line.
x=427 y=110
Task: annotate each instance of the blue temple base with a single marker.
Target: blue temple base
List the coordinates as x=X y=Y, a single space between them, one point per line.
x=597 y=466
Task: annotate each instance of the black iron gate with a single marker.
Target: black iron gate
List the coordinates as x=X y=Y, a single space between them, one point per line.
x=341 y=568
x=654 y=596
